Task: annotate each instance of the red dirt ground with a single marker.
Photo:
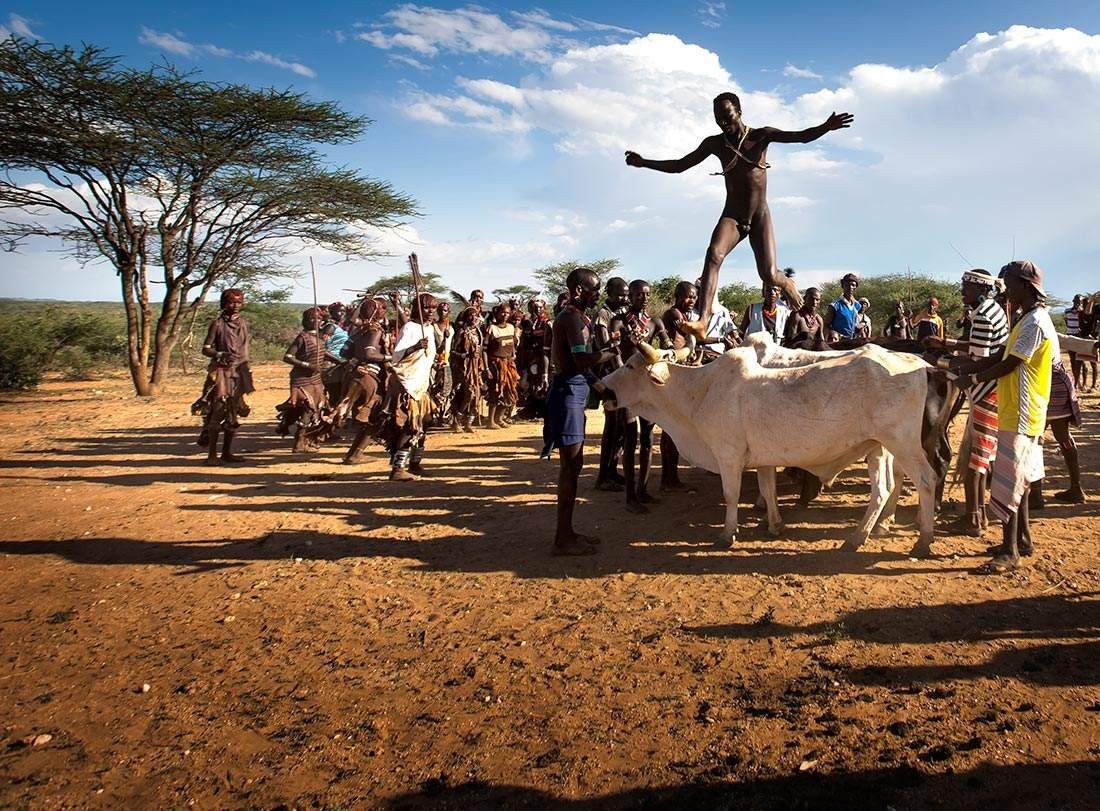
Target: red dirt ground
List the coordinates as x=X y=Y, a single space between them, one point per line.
x=313 y=636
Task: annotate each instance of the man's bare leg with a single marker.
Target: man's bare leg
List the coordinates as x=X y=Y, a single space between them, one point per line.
x=723 y=240
x=566 y=541
x=762 y=241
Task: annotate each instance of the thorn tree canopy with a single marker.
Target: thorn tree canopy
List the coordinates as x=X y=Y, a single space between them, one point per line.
x=553 y=277
x=173 y=180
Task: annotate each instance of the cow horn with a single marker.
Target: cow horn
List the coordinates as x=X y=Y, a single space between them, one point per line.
x=650 y=354
x=682 y=354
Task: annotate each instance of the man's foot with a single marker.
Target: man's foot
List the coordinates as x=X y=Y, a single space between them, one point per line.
x=456 y=428
x=212 y=461
x=1036 y=502
x=1070 y=496
x=231 y=458
x=356 y=458
x=417 y=469
x=573 y=548
x=672 y=485
x=608 y=486
x=787 y=285
x=591 y=540
x=636 y=507
x=618 y=479
x=469 y=429
x=400 y=474
x=923 y=549
x=999 y=565
x=646 y=498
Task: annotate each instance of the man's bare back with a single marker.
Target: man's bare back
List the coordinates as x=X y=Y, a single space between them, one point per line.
x=743 y=153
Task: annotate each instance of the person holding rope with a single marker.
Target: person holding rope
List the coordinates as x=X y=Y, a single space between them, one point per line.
x=1023 y=380
x=988 y=333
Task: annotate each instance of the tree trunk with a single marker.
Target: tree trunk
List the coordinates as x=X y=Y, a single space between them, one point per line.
x=167 y=334
x=137 y=330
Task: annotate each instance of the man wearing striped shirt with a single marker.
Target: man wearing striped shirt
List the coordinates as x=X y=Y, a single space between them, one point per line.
x=988 y=332
x=1023 y=378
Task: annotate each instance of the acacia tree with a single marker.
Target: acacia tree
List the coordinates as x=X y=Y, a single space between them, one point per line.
x=553 y=276
x=171 y=179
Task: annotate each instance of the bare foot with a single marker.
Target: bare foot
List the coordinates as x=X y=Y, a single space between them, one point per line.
x=636 y=507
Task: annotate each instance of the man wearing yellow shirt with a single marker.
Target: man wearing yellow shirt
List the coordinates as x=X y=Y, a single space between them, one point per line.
x=1022 y=373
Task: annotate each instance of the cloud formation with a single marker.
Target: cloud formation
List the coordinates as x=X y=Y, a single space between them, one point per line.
x=17 y=27
x=998 y=138
x=800 y=73
x=176 y=44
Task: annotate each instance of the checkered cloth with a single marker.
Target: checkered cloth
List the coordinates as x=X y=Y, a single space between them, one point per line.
x=1019 y=463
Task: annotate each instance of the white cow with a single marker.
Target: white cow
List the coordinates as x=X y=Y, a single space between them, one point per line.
x=734 y=414
x=880 y=462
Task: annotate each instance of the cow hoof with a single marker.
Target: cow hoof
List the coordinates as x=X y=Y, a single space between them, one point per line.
x=923 y=549
x=778 y=532
x=883 y=528
x=851 y=546
x=726 y=541
x=854 y=540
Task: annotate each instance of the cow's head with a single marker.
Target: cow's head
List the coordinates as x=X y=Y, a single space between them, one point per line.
x=644 y=373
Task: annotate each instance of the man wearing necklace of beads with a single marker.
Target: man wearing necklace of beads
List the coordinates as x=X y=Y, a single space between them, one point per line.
x=743 y=152
x=805 y=329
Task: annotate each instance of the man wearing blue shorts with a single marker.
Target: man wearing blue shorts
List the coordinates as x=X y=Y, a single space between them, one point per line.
x=564 y=425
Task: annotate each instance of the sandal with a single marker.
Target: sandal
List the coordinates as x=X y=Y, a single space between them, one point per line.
x=999 y=565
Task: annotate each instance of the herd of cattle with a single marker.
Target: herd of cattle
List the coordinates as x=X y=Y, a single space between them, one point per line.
x=764 y=407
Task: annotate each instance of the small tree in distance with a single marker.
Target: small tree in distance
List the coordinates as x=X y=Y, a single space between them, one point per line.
x=163 y=175
x=553 y=277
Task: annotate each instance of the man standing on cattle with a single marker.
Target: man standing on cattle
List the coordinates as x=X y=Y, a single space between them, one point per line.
x=224 y=397
x=988 y=333
x=1023 y=391
x=743 y=152
x=637 y=326
x=407 y=404
x=563 y=429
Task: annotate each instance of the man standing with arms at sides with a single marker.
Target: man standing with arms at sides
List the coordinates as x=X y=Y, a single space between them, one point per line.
x=842 y=315
x=988 y=333
x=637 y=326
x=743 y=153
x=927 y=322
x=1023 y=391
x=564 y=426
x=897 y=325
x=768 y=316
x=611 y=442
x=805 y=329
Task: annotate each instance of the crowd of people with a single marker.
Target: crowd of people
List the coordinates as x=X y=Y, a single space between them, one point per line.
x=389 y=373
x=386 y=371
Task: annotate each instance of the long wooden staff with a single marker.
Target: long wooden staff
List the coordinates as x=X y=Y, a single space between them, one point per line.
x=316 y=313
x=418 y=284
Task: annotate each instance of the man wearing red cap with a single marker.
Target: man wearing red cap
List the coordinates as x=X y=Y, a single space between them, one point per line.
x=927 y=323
x=1023 y=377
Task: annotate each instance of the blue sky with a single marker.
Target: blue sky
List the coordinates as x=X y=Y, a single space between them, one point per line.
x=976 y=124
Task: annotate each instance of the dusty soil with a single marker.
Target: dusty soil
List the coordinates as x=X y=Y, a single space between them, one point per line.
x=313 y=636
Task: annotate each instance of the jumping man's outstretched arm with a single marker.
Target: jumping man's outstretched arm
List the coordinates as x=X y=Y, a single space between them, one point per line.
x=837 y=121
x=689 y=160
